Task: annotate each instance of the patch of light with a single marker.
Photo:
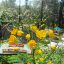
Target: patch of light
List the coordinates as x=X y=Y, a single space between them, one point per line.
x=59 y=0
x=0 y=1
x=22 y=2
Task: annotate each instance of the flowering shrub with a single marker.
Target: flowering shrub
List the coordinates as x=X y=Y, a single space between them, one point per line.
x=20 y=33
x=32 y=44
x=12 y=39
x=28 y=36
x=41 y=34
x=43 y=50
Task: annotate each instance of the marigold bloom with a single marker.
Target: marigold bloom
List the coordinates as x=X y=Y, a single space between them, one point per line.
x=12 y=39
x=33 y=28
x=41 y=34
x=14 y=31
x=50 y=62
x=38 y=51
x=28 y=36
x=51 y=33
x=20 y=33
x=32 y=44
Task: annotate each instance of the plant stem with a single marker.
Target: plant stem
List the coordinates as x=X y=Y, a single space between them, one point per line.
x=34 y=56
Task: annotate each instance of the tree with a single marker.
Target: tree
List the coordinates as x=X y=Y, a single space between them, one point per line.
x=61 y=20
x=11 y=3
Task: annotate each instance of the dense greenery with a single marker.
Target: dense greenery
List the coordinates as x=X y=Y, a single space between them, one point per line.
x=31 y=13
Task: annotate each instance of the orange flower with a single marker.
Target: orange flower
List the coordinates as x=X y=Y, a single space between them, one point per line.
x=20 y=33
x=41 y=34
x=38 y=51
x=33 y=28
x=51 y=33
x=32 y=44
x=12 y=39
x=14 y=31
x=28 y=36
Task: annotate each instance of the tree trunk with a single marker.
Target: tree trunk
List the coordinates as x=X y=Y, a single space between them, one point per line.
x=0 y=33
x=60 y=15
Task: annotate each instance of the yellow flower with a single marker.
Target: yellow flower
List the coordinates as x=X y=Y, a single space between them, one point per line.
x=20 y=33
x=41 y=59
x=32 y=44
x=14 y=31
x=38 y=51
x=51 y=33
x=28 y=36
x=41 y=34
x=12 y=39
x=50 y=62
x=33 y=28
